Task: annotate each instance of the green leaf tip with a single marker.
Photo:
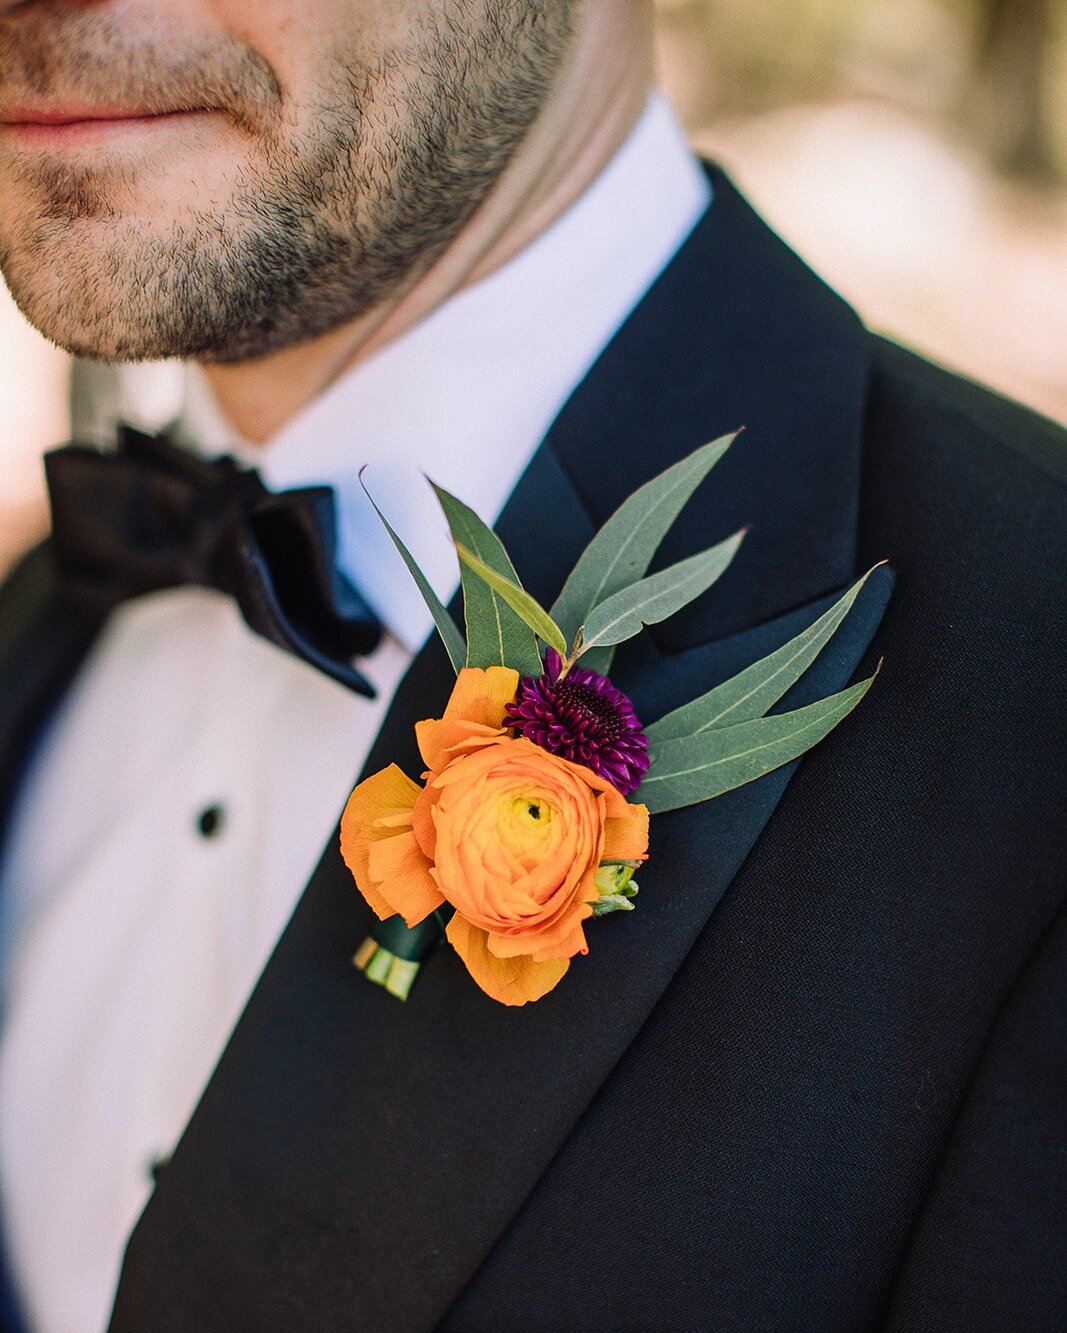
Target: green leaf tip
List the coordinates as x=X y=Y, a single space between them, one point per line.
x=754 y=691
x=692 y=769
x=496 y=633
x=652 y=599
x=621 y=552
x=527 y=608
x=451 y=637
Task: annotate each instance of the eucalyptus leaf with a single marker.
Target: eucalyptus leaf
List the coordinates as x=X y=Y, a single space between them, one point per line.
x=529 y=610
x=653 y=599
x=496 y=635
x=758 y=688
x=622 y=550
x=698 y=768
x=455 y=644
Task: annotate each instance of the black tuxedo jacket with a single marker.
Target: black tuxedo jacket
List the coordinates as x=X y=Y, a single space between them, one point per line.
x=818 y=1080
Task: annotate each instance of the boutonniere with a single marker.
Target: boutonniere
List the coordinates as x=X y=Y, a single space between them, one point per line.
x=532 y=814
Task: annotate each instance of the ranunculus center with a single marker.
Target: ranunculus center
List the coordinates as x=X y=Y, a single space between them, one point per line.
x=524 y=826
x=533 y=813
x=527 y=807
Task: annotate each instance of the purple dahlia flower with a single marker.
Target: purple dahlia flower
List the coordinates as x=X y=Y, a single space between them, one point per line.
x=583 y=718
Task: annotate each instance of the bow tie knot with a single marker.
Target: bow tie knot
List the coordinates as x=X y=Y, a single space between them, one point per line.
x=152 y=516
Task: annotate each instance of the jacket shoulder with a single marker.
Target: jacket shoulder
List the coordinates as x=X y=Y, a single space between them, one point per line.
x=963 y=490
x=972 y=421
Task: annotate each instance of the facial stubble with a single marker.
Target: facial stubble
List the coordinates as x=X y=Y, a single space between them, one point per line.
x=320 y=225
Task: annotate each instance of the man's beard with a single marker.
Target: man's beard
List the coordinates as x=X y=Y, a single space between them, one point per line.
x=319 y=228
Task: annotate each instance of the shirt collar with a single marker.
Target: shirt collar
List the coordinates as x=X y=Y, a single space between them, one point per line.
x=467 y=394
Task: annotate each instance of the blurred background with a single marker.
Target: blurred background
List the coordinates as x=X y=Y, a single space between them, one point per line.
x=913 y=151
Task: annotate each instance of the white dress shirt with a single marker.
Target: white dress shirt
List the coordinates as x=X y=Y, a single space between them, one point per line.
x=188 y=784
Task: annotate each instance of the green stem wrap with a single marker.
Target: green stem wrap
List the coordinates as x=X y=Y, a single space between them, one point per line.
x=393 y=952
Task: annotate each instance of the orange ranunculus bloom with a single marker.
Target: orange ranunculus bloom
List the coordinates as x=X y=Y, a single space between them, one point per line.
x=509 y=834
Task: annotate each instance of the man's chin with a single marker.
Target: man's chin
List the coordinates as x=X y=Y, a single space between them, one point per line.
x=105 y=290
x=114 y=330
x=92 y=345
x=141 y=321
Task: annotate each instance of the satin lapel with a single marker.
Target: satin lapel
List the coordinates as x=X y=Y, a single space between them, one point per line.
x=353 y=1159
x=43 y=640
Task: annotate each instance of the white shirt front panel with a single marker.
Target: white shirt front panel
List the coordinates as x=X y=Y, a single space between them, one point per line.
x=131 y=939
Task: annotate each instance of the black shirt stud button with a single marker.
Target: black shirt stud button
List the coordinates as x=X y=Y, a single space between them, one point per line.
x=210 y=820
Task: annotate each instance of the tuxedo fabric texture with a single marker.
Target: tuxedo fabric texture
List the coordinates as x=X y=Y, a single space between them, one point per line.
x=816 y=1080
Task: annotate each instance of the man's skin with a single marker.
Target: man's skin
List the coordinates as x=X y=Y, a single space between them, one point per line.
x=336 y=169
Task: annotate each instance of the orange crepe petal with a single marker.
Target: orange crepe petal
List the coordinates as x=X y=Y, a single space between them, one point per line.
x=385 y=794
x=379 y=813
x=616 y=804
x=440 y=739
x=422 y=821
x=382 y=909
x=572 y=943
x=480 y=697
x=511 y=981
x=626 y=837
x=562 y=939
x=402 y=876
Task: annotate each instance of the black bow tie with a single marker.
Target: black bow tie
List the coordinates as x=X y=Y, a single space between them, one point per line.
x=151 y=516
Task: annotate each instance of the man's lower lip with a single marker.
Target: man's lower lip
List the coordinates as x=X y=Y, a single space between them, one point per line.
x=74 y=133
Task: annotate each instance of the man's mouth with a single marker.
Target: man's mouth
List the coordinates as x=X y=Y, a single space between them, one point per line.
x=56 y=126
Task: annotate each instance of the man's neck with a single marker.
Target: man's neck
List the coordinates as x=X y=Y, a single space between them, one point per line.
x=598 y=99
